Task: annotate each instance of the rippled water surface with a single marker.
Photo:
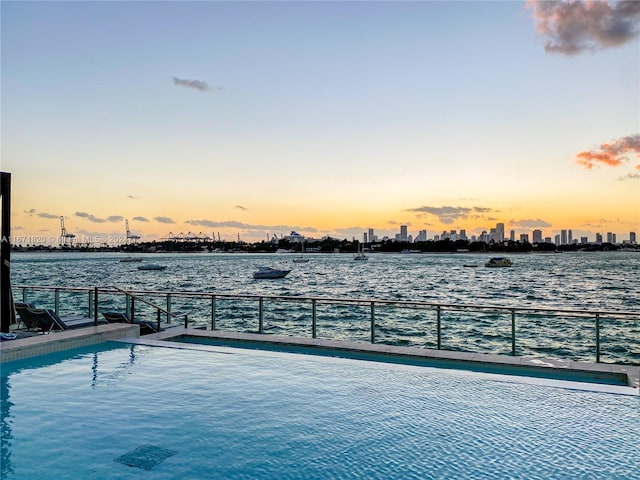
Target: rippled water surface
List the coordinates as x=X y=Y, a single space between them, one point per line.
x=599 y=280
x=237 y=414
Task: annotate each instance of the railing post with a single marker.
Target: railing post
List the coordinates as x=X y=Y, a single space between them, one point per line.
x=95 y=306
x=56 y=301
x=373 y=322
x=261 y=319
x=168 y=308
x=133 y=307
x=89 y=303
x=158 y=320
x=186 y=320
x=24 y=295
x=213 y=312
x=438 y=329
x=513 y=333
x=597 y=338
x=313 y=318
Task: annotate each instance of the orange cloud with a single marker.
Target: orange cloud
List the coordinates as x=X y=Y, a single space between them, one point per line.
x=611 y=154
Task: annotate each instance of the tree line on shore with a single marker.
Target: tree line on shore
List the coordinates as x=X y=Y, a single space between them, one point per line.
x=332 y=245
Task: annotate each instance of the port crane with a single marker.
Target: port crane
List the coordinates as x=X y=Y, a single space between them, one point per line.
x=65 y=237
x=130 y=236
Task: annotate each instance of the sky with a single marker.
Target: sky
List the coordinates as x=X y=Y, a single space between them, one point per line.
x=253 y=119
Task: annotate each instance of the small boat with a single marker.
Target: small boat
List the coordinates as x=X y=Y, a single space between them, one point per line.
x=470 y=265
x=268 y=272
x=152 y=266
x=498 y=262
x=131 y=259
x=360 y=256
x=301 y=258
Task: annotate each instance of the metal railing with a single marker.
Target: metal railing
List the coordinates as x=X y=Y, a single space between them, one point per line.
x=96 y=293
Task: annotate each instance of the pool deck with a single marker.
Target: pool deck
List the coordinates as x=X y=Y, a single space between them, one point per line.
x=31 y=346
x=541 y=367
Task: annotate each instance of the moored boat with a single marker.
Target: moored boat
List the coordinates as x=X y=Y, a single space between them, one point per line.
x=152 y=266
x=268 y=272
x=499 y=262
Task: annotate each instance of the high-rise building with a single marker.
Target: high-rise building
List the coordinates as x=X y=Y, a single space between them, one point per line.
x=584 y=240
x=599 y=238
x=563 y=237
x=499 y=232
x=632 y=237
x=610 y=237
x=512 y=235
x=463 y=234
x=422 y=236
x=403 y=233
x=524 y=237
x=537 y=236
x=569 y=236
x=372 y=236
x=557 y=240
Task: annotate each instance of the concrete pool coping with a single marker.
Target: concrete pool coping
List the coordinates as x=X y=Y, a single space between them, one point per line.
x=20 y=348
x=543 y=367
x=43 y=344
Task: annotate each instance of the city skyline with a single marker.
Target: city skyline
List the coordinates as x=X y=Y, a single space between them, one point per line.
x=253 y=119
x=496 y=234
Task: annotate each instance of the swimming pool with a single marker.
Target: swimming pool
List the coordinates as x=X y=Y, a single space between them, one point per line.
x=227 y=413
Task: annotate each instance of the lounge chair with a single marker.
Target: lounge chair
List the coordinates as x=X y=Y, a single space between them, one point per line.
x=19 y=306
x=46 y=320
x=119 y=317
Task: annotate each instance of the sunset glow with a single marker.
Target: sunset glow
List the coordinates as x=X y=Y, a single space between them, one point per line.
x=253 y=119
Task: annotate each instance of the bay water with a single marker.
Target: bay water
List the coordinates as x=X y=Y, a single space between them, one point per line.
x=602 y=281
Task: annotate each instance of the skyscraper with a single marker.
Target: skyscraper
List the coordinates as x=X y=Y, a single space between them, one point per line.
x=570 y=237
x=563 y=237
x=500 y=232
x=537 y=236
x=403 y=233
x=632 y=237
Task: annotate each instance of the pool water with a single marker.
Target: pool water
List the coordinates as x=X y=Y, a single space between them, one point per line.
x=230 y=413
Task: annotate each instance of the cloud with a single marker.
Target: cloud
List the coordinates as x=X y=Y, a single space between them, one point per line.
x=449 y=215
x=240 y=207
x=163 y=220
x=197 y=84
x=132 y=197
x=575 y=26
x=631 y=176
x=94 y=219
x=47 y=215
x=246 y=226
x=140 y=219
x=530 y=223
x=30 y=212
x=612 y=154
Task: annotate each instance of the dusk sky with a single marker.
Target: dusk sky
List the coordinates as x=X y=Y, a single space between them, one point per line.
x=327 y=118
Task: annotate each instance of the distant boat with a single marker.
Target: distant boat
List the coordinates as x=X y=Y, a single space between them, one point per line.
x=499 y=262
x=360 y=256
x=131 y=259
x=268 y=272
x=152 y=266
x=301 y=258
